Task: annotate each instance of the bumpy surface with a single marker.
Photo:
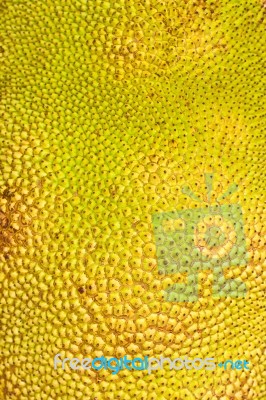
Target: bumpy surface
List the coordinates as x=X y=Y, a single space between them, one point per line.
x=107 y=110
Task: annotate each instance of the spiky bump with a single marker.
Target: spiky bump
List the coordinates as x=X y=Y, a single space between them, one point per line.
x=109 y=109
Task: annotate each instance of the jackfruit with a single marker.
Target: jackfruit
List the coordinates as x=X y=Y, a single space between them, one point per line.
x=113 y=113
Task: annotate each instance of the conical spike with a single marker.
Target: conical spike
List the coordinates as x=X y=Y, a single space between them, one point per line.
x=186 y=190
x=232 y=189
x=209 y=181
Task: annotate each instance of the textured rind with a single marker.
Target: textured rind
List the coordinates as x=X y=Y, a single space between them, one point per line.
x=107 y=110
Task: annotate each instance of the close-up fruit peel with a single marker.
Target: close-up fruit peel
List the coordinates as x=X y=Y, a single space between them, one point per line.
x=132 y=198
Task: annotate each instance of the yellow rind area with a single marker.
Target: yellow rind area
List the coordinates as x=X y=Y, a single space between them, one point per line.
x=107 y=110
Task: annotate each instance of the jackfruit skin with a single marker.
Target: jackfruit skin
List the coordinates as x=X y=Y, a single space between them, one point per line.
x=107 y=110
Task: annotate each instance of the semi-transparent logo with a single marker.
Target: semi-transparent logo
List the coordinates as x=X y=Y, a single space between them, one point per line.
x=192 y=240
